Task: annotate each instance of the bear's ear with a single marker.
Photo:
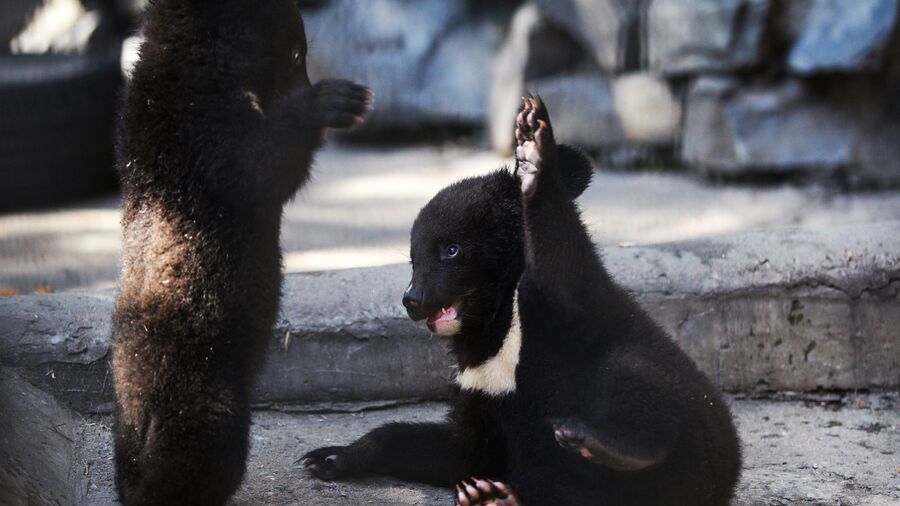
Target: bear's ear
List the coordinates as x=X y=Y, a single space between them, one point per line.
x=575 y=167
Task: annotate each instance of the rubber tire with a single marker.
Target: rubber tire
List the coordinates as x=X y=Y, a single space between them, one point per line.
x=57 y=116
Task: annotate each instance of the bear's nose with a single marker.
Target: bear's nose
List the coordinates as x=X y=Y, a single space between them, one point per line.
x=412 y=299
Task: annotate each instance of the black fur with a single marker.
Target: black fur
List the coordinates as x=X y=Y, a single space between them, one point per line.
x=606 y=409
x=219 y=127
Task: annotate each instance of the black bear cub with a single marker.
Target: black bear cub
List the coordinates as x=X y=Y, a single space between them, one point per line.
x=569 y=392
x=218 y=131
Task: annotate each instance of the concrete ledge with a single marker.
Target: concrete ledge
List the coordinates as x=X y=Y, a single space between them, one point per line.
x=37 y=447
x=782 y=310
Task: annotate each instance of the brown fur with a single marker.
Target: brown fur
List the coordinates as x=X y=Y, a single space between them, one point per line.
x=218 y=131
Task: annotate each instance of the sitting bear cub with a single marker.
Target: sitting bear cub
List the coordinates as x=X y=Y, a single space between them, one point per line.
x=569 y=392
x=219 y=127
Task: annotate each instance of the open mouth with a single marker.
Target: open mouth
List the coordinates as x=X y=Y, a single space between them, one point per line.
x=446 y=321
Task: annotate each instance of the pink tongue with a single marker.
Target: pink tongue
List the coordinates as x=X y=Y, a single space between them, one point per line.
x=444 y=315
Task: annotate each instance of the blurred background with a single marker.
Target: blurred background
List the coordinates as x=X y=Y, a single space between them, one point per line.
x=704 y=117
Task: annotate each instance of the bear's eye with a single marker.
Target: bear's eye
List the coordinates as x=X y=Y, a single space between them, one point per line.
x=452 y=250
x=297 y=56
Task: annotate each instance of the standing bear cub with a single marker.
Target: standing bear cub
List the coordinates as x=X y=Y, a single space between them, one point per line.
x=219 y=127
x=569 y=392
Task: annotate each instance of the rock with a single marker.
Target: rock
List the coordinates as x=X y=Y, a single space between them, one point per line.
x=841 y=36
x=583 y=109
x=877 y=155
x=648 y=110
x=533 y=48
x=729 y=129
x=693 y=36
x=37 y=464
x=427 y=65
x=608 y=29
x=132 y=9
x=790 y=126
x=596 y=111
x=892 y=70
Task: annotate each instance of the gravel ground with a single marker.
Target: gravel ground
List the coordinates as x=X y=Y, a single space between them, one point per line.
x=358 y=209
x=828 y=452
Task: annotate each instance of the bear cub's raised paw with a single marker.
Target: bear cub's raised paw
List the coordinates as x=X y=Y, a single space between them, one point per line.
x=535 y=147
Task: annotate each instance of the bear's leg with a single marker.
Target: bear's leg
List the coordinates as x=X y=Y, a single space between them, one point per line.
x=598 y=447
x=195 y=459
x=560 y=260
x=433 y=453
x=277 y=154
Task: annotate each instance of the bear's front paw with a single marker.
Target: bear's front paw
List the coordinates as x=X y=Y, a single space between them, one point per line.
x=535 y=146
x=475 y=492
x=337 y=103
x=327 y=463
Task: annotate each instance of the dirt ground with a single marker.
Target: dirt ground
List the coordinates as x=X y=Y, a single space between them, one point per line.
x=832 y=451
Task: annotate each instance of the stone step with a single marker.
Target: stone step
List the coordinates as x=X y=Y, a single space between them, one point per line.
x=759 y=312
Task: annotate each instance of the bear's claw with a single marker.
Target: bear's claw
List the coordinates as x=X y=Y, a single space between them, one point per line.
x=325 y=463
x=477 y=492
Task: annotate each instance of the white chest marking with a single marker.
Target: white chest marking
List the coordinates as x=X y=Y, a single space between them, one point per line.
x=497 y=375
